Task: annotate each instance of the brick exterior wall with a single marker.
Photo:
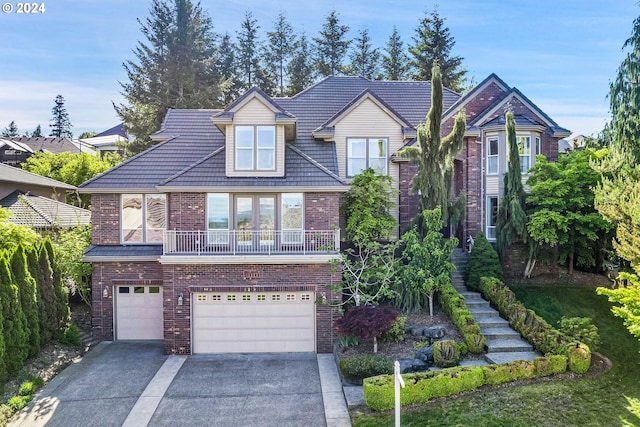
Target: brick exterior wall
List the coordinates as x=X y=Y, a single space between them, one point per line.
x=203 y=278
x=105 y=219
x=321 y=211
x=109 y=274
x=187 y=211
x=407 y=203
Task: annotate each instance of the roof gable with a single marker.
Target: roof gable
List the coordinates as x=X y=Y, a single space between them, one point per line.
x=492 y=79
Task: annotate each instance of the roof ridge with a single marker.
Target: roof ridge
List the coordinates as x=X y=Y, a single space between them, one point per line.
x=191 y=166
x=315 y=163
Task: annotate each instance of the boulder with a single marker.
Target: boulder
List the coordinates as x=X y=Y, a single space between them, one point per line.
x=417 y=331
x=406 y=366
x=420 y=365
x=434 y=332
x=425 y=354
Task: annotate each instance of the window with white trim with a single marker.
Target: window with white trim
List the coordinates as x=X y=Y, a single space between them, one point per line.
x=143 y=217
x=524 y=149
x=255 y=148
x=492 y=155
x=538 y=146
x=218 y=218
x=492 y=217
x=363 y=153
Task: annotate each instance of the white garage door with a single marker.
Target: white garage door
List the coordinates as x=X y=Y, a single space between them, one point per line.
x=236 y=322
x=139 y=313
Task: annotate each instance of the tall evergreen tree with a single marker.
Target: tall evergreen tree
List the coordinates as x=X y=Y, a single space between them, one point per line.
x=249 y=47
x=60 y=291
x=175 y=68
x=37 y=133
x=11 y=131
x=14 y=321
x=46 y=294
x=227 y=67
x=279 y=51
x=435 y=156
x=27 y=288
x=433 y=45
x=60 y=124
x=331 y=46
x=511 y=224
x=395 y=62
x=300 y=68
x=365 y=59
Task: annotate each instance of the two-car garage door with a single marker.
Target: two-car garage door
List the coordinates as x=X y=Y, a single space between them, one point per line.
x=253 y=322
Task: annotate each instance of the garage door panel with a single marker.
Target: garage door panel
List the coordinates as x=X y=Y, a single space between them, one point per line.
x=139 y=314
x=258 y=322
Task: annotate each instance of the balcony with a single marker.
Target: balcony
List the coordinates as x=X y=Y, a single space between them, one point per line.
x=251 y=243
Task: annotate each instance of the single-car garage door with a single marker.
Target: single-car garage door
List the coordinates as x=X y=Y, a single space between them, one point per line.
x=253 y=322
x=139 y=313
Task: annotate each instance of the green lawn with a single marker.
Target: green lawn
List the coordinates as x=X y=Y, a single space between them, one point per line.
x=612 y=399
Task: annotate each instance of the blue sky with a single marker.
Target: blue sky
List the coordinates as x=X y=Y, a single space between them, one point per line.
x=561 y=54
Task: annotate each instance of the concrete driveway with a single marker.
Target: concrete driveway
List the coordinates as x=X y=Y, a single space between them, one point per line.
x=135 y=384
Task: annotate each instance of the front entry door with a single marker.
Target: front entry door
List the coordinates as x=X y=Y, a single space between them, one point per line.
x=255 y=222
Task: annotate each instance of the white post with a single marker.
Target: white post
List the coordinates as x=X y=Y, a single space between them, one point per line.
x=398 y=381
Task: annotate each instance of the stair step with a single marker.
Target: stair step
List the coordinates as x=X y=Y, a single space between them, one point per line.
x=486 y=316
x=505 y=357
x=483 y=310
x=493 y=322
x=473 y=303
x=499 y=332
x=508 y=345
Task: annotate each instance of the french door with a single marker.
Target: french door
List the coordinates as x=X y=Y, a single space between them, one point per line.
x=255 y=221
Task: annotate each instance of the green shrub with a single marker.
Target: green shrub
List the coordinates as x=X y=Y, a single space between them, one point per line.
x=463 y=349
x=347 y=341
x=558 y=363
x=6 y=412
x=16 y=403
x=483 y=262
x=354 y=369
x=38 y=381
x=581 y=329
x=446 y=353
x=71 y=335
x=453 y=305
x=396 y=332
x=579 y=358
x=421 y=387
x=27 y=388
x=545 y=366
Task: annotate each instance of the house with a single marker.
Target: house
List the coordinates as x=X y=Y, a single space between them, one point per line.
x=109 y=141
x=219 y=238
x=37 y=201
x=15 y=150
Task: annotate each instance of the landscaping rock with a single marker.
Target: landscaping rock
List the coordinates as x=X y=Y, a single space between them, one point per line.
x=420 y=365
x=425 y=354
x=417 y=331
x=434 y=332
x=406 y=366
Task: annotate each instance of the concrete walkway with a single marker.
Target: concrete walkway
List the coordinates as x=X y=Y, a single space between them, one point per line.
x=134 y=384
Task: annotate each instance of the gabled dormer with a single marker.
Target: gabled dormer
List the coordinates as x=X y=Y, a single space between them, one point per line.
x=255 y=129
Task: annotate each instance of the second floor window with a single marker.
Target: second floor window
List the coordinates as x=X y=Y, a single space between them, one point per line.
x=143 y=218
x=363 y=153
x=492 y=156
x=524 y=148
x=255 y=148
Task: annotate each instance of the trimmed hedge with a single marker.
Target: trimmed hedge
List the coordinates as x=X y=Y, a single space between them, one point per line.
x=534 y=328
x=483 y=262
x=355 y=368
x=424 y=386
x=453 y=305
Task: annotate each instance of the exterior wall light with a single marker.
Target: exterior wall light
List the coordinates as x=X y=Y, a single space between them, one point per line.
x=105 y=292
x=181 y=299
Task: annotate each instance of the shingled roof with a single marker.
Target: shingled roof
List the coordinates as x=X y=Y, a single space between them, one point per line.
x=42 y=212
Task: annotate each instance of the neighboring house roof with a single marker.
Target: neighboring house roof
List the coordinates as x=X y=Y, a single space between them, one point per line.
x=42 y=212
x=118 y=253
x=15 y=145
x=117 y=130
x=48 y=144
x=18 y=176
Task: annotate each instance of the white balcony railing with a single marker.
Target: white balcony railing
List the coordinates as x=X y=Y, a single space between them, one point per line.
x=244 y=242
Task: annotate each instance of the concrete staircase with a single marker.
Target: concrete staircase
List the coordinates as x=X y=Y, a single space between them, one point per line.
x=503 y=343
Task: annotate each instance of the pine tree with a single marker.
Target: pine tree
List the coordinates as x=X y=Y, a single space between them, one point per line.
x=248 y=56
x=60 y=124
x=279 y=51
x=14 y=320
x=434 y=156
x=511 y=224
x=364 y=58
x=175 y=68
x=300 y=68
x=433 y=45
x=37 y=133
x=395 y=62
x=227 y=67
x=331 y=46
x=11 y=131
x=27 y=287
